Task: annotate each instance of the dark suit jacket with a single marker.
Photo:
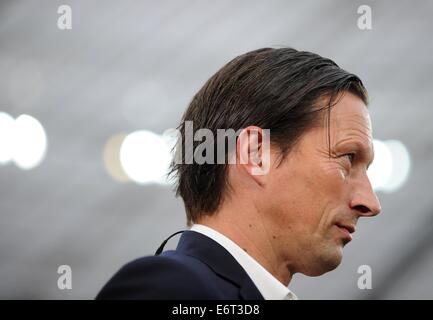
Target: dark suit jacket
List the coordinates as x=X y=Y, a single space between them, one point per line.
x=199 y=268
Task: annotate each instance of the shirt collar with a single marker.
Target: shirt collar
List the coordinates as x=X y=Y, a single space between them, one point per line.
x=270 y=287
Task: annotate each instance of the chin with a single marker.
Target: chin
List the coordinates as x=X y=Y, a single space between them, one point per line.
x=324 y=262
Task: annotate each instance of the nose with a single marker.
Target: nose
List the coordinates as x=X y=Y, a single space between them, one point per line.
x=364 y=199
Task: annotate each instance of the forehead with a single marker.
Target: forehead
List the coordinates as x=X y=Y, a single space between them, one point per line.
x=350 y=120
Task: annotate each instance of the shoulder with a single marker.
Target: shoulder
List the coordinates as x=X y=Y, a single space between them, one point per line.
x=159 y=277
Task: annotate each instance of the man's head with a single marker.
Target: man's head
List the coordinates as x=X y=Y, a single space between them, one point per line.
x=315 y=196
x=321 y=146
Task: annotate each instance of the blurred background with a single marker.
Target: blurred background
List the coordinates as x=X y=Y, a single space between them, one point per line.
x=83 y=112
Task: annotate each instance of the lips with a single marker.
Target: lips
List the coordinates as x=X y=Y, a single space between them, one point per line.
x=346 y=231
x=350 y=228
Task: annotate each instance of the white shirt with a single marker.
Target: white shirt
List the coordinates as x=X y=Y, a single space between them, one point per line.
x=269 y=286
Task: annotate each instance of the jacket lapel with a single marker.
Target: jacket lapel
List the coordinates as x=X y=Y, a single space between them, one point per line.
x=219 y=260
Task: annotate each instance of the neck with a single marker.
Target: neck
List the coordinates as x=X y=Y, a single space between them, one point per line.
x=249 y=232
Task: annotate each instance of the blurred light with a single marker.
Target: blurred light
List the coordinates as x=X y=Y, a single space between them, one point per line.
x=29 y=142
x=401 y=165
x=381 y=168
x=145 y=157
x=112 y=158
x=6 y=132
x=390 y=167
x=170 y=136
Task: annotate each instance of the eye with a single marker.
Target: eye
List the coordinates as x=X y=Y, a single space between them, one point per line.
x=349 y=156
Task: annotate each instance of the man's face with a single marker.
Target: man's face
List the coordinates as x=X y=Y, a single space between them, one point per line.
x=313 y=199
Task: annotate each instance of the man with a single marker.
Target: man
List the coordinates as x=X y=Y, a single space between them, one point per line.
x=250 y=233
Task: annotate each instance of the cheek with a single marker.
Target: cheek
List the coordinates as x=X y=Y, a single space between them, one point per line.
x=307 y=198
x=292 y=198
x=328 y=185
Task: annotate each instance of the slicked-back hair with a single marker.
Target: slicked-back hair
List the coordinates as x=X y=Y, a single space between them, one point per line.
x=276 y=89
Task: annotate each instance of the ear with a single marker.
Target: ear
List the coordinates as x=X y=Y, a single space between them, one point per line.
x=253 y=152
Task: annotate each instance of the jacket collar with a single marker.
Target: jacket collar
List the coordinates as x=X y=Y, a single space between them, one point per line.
x=219 y=260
